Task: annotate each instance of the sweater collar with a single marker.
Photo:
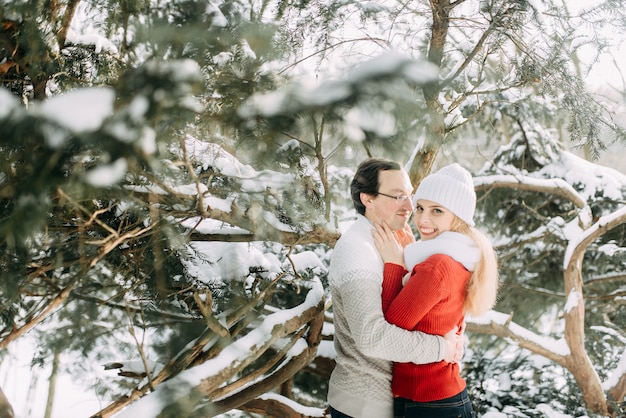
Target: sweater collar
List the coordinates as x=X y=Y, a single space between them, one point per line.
x=459 y=246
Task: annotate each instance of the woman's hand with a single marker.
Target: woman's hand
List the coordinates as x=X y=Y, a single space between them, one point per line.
x=387 y=245
x=404 y=236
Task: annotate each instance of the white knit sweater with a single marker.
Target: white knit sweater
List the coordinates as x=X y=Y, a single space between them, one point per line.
x=365 y=343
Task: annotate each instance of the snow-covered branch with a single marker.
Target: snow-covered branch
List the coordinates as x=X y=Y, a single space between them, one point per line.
x=616 y=384
x=281 y=406
x=578 y=244
x=203 y=380
x=554 y=186
x=501 y=325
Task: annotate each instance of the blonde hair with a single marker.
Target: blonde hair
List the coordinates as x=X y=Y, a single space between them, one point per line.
x=482 y=288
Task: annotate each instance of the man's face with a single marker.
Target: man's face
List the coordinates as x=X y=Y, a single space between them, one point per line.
x=382 y=208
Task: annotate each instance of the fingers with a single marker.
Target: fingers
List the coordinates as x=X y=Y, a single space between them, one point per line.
x=460 y=348
x=458 y=356
x=404 y=236
x=380 y=236
x=383 y=232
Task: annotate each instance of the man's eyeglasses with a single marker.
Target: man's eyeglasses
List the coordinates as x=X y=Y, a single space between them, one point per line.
x=400 y=199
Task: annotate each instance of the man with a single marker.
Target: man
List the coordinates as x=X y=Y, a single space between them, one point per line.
x=365 y=343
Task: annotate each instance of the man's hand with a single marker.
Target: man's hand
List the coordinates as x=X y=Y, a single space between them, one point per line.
x=454 y=345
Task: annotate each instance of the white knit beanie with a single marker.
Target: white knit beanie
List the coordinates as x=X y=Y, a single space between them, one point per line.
x=453 y=188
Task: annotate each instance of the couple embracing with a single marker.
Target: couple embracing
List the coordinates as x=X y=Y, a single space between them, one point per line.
x=399 y=304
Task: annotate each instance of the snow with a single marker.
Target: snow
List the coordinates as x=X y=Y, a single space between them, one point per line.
x=616 y=373
x=549 y=412
x=212 y=226
x=108 y=174
x=539 y=183
x=379 y=122
x=326 y=349
x=308 y=260
x=573 y=300
x=393 y=63
x=611 y=249
x=218 y=19
x=578 y=171
x=8 y=103
x=79 y=111
x=330 y=91
x=223 y=58
x=228 y=261
x=99 y=42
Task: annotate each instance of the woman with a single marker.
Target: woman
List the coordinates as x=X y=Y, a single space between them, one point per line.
x=453 y=271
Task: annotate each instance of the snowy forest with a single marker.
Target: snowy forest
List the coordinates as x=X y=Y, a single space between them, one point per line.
x=174 y=175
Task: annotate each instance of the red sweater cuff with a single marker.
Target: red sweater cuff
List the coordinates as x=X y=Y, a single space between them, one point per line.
x=395 y=270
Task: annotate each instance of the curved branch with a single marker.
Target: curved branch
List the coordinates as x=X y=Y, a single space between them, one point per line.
x=557 y=187
x=581 y=367
x=576 y=248
x=50 y=308
x=501 y=325
x=617 y=391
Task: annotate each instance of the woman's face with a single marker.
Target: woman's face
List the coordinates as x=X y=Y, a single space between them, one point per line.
x=432 y=219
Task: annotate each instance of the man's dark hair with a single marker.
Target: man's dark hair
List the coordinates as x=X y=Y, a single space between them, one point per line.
x=366 y=179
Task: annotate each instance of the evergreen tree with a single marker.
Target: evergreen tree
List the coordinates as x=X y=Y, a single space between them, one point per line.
x=146 y=145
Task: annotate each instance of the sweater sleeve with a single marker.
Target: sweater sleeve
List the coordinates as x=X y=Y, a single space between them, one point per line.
x=392 y=283
x=375 y=337
x=427 y=287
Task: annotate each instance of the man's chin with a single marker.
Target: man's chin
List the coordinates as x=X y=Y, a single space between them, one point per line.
x=396 y=226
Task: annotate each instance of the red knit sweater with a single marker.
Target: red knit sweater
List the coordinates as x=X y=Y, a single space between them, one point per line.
x=431 y=302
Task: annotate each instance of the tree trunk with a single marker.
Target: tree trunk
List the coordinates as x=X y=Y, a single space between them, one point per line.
x=52 y=385
x=6 y=410
x=579 y=363
x=66 y=21
x=424 y=160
